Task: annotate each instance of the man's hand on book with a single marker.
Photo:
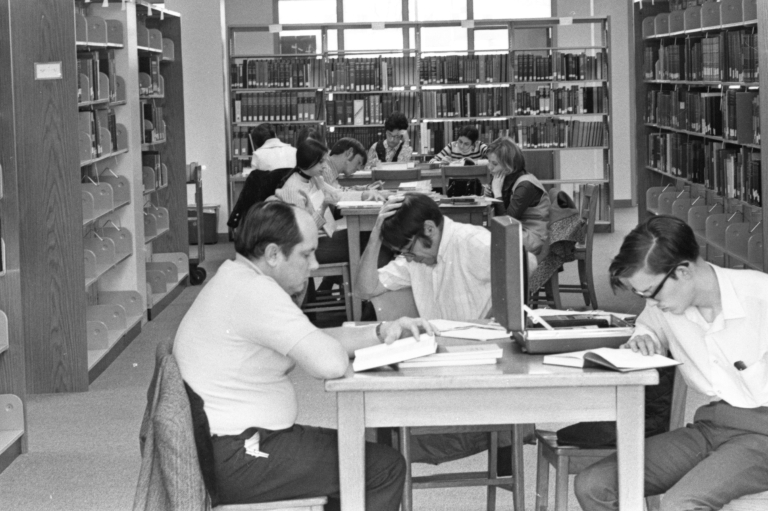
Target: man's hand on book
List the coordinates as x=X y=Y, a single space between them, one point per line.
x=644 y=344
x=391 y=331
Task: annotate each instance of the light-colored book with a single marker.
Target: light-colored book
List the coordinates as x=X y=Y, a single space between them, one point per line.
x=359 y=112
x=476 y=333
x=398 y=351
x=355 y=204
x=617 y=359
x=470 y=354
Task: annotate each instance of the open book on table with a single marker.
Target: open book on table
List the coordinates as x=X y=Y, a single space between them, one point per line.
x=461 y=355
x=399 y=351
x=623 y=360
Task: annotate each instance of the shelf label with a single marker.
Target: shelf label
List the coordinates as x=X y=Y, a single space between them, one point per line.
x=379 y=25
x=566 y=21
x=275 y=28
x=468 y=23
x=48 y=71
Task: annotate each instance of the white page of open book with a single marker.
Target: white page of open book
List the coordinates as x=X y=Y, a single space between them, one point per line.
x=476 y=334
x=317 y=198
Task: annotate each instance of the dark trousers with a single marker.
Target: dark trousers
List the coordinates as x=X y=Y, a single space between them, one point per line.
x=303 y=462
x=722 y=456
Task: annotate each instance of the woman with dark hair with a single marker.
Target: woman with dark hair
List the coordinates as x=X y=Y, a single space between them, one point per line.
x=395 y=147
x=523 y=196
x=467 y=147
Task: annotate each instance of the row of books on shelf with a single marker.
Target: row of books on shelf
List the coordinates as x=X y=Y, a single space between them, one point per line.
x=730 y=113
x=153 y=160
x=730 y=172
x=276 y=106
x=562 y=66
x=561 y=133
x=152 y=121
x=728 y=56
x=562 y=100
x=369 y=108
x=467 y=103
x=149 y=75
x=464 y=69
x=293 y=72
x=97 y=77
x=370 y=74
x=100 y=128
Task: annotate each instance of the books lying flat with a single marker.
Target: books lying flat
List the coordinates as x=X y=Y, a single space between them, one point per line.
x=470 y=354
x=623 y=360
x=476 y=333
x=398 y=351
x=357 y=204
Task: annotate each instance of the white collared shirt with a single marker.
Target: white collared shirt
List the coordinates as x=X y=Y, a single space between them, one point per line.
x=274 y=155
x=458 y=286
x=708 y=351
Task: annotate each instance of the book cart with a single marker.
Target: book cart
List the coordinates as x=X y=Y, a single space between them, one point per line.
x=552 y=99
x=699 y=152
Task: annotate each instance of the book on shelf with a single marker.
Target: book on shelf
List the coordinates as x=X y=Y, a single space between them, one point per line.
x=293 y=72
x=275 y=107
x=457 y=355
x=399 y=351
x=615 y=359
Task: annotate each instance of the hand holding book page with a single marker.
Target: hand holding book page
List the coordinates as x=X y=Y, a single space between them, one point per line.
x=617 y=359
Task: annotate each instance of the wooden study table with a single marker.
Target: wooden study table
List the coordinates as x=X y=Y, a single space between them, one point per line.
x=363 y=219
x=519 y=389
x=364 y=177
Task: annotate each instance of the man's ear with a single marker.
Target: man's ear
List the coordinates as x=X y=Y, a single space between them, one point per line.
x=430 y=228
x=349 y=154
x=272 y=254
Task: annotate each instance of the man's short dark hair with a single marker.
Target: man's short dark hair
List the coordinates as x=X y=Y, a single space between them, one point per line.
x=268 y=222
x=346 y=143
x=658 y=245
x=470 y=132
x=408 y=221
x=396 y=121
x=261 y=134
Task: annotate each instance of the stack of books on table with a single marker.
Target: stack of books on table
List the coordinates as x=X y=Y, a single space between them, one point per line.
x=461 y=355
x=388 y=354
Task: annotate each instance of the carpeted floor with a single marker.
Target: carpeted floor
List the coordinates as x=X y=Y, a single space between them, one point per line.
x=84 y=451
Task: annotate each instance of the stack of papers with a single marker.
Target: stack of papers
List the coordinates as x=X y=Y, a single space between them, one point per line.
x=423 y=186
x=470 y=354
x=398 y=351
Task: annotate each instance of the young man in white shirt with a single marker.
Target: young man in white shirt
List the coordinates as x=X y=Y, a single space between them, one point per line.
x=235 y=347
x=714 y=320
x=270 y=153
x=347 y=156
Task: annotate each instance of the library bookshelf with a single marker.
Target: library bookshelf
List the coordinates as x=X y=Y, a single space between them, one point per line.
x=698 y=100
x=551 y=96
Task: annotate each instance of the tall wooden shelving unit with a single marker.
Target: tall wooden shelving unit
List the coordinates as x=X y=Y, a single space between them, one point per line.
x=78 y=267
x=544 y=161
x=730 y=228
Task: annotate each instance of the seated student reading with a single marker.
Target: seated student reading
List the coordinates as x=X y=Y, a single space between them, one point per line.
x=467 y=148
x=523 y=196
x=269 y=153
x=713 y=320
x=447 y=265
x=396 y=146
x=235 y=347
x=347 y=157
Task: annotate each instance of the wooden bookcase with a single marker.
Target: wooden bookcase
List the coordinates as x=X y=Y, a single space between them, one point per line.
x=77 y=258
x=699 y=149
x=439 y=93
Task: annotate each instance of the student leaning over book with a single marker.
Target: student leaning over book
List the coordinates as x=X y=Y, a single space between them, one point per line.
x=466 y=147
x=235 y=347
x=713 y=320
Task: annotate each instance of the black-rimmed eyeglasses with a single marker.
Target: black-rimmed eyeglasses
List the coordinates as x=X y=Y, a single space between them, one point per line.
x=656 y=291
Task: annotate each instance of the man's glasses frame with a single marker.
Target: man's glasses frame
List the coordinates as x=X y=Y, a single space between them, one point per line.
x=656 y=291
x=407 y=249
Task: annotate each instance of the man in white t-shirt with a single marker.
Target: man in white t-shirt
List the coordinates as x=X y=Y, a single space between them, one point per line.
x=235 y=347
x=270 y=153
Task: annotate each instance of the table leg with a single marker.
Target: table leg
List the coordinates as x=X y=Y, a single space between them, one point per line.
x=518 y=467
x=353 y=237
x=630 y=428
x=351 y=450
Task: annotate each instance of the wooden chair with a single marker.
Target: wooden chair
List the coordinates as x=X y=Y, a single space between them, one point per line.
x=480 y=172
x=395 y=304
x=583 y=253
x=568 y=459
x=173 y=404
x=328 y=301
x=393 y=178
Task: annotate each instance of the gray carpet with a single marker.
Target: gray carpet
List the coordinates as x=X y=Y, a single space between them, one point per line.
x=84 y=450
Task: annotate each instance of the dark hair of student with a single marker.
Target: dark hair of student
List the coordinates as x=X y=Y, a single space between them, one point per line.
x=308 y=154
x=408 y=221
x=309 y=132
x=508 y=153
x=396 y=121
x=658 y=245
x=268 y=222
x=470 y=132
x=347 y=143
x=261 y=134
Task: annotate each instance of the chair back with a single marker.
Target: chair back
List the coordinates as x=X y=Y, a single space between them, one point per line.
x=258 y=186
x=393 y=178
x=395 y=304
x=589 y=215
x=480 y=172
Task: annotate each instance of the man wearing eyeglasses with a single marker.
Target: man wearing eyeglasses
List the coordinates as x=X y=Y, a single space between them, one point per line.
x=715 y=321
x=396 y=147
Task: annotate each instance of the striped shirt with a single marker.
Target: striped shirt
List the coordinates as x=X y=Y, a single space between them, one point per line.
x=451 y=152
x=291 y=192
x=458 y=287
